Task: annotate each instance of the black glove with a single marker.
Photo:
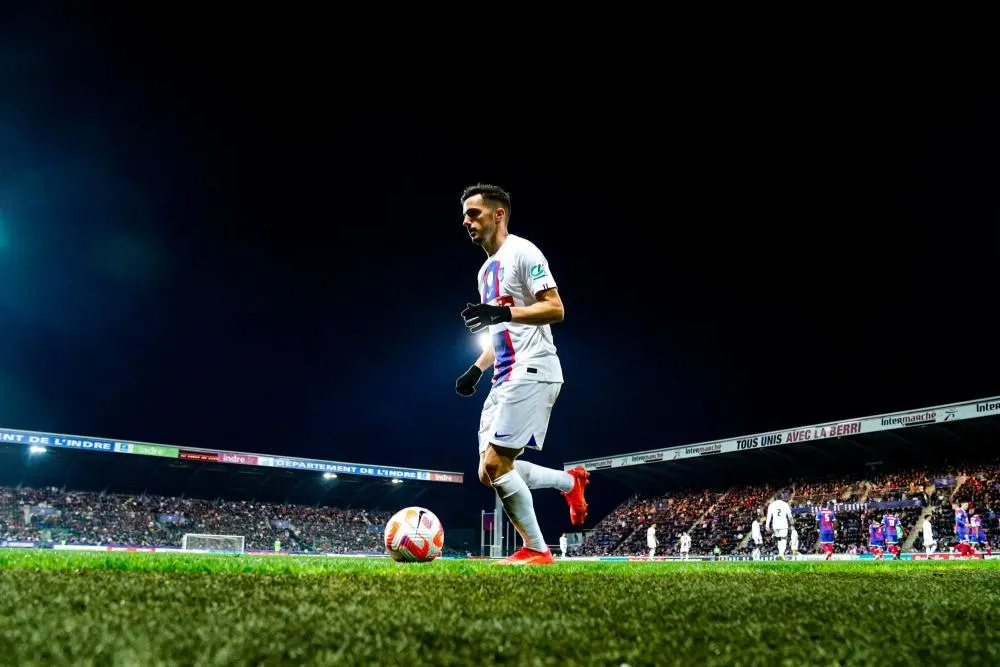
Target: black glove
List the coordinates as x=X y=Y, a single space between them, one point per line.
x=481 y=315
x=466 y=385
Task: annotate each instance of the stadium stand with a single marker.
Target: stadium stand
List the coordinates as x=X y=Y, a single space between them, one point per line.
x=86 y=491
x=914 y=464
x=81 y=517
x=722 y=517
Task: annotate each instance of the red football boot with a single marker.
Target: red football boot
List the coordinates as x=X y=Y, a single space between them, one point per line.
x=526 y=556
x=574 y=498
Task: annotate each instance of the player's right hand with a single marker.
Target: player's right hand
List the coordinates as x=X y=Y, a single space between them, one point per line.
x=466 y=385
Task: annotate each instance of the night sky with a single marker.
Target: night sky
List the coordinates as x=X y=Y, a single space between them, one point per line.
x=212 y=242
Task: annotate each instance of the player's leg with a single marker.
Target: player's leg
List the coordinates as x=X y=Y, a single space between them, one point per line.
x=515 y=417
x=540 y=477
x=543 y=395
x=498 y=465
x=532 y=404
x=780 y=534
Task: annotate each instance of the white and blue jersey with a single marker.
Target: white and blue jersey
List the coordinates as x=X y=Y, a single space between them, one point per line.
x=514 y=276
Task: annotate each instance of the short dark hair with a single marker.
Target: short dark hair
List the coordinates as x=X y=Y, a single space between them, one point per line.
x=493 y=194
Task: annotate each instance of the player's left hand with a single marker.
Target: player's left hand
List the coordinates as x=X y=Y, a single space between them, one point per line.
x=481 y=315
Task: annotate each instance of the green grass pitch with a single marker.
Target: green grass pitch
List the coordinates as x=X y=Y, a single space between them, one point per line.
x=158 y=609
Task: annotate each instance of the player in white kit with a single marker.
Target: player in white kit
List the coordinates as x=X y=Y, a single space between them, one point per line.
x=756 y=537
x=518 y=303
x=779 y=518
x=685 y=545
x=651 y=541
x=929 y=544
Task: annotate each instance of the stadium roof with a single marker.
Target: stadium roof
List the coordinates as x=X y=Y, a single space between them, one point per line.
x=118 y=466
x=952 y=432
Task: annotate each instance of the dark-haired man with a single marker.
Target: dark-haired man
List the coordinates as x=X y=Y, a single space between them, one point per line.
x=518 y=303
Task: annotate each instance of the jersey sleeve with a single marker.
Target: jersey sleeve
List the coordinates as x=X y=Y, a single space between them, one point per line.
x=533 y=269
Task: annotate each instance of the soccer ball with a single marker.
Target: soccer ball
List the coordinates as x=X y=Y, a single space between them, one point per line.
x=414 y=534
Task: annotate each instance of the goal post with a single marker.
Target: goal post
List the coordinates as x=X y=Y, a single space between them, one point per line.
x=225 y=543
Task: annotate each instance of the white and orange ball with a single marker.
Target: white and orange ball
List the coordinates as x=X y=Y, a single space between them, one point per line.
x=414 y=534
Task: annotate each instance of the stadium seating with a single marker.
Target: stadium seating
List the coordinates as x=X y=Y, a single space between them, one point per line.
x=722 y=517
x=50 y=514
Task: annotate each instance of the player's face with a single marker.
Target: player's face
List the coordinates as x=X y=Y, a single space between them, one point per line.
x=479 y=219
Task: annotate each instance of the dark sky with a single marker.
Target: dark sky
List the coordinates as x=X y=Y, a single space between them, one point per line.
x=213 y=241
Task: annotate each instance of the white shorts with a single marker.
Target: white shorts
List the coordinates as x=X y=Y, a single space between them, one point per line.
x=516 y=414
x=780 y=533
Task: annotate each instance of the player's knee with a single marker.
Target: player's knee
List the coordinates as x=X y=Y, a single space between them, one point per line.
x=489 y=471
x=498 y=461
x=484 y=477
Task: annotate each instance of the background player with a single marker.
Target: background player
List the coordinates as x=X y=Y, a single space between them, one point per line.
x=929 y=544
x=779 y=518
x=793 y=542
x=651 y=540
x=893 y=527
x=685 y=545
x=876 y=538
x=961 y=529
x=827 y=520
x=756 y=537
x=977 y=535
x=518 y=303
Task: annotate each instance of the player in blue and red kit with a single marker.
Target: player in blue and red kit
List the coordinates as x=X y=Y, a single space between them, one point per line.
x=891 y=524
x=876 y=539
x=977 y=534
x=826 y=519
x=975 y=529
x=962 y=529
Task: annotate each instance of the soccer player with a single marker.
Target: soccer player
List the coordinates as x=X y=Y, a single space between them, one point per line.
x=962 y=529
x=779 y=518
x=827 y=519
x=757 y=538
x=563 y=545
x=975 y=531
x=876 y=538
x=685 y=545
x=519 y=302
x=651 y=540
x=929 y=544
x=793 y=542
x=892 y=529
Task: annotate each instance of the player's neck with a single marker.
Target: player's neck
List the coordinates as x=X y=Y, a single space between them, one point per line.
x=492 y=245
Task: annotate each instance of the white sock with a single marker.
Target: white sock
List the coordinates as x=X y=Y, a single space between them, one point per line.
x=538 y=477
x=781 y=547
x=517 y=502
